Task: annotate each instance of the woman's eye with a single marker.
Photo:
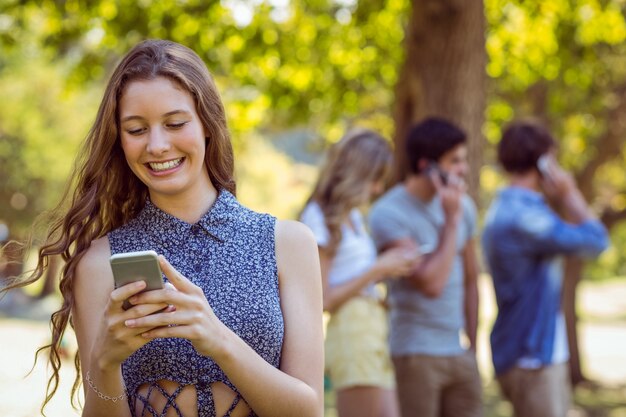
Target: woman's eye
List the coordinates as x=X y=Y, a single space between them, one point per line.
x=176 y=125
x=135 y=132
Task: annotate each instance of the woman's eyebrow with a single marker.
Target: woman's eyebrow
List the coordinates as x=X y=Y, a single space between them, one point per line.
x=169 y=113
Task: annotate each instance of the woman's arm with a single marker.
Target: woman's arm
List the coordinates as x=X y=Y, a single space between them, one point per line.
x=103 y=339
x=297 y=389
x=93 y=283
x=396 y=262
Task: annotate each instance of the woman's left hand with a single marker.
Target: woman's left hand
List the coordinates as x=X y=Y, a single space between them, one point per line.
x=192 y=317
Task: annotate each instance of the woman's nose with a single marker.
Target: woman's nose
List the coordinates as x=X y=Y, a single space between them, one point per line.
x=158 y=142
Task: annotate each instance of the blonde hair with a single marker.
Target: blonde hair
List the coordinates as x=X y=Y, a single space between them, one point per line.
x=107 y=194
x=359 y=159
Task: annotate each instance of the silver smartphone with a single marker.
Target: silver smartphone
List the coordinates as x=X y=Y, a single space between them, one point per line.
x=137 y=266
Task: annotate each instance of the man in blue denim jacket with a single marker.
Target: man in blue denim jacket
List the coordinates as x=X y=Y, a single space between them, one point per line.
x=523 y=241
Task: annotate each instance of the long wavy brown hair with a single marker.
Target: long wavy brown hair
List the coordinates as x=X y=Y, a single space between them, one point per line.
x=103 y=193
x=360 y=158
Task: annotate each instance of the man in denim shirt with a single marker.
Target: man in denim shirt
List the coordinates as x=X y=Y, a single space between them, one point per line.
x=523 y=241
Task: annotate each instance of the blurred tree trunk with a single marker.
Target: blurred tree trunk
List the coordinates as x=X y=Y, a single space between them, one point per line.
x=444 y=74
x=572 y=274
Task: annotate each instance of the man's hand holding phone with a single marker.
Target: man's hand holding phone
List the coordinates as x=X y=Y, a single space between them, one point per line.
x=555 y=181
x=450 y=190
x=561 y=190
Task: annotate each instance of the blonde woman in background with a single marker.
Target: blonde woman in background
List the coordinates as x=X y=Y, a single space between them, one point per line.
x=357 y=357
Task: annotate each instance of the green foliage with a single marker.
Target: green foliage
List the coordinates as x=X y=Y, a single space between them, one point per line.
x=611 y=262
x=560 y=61
x=321 y=65
x=41 y=124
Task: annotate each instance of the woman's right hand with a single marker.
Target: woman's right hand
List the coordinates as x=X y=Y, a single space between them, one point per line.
x=116 y=341
x=397 y=262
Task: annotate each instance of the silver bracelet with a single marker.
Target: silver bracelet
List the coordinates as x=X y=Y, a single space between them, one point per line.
x=103 y=396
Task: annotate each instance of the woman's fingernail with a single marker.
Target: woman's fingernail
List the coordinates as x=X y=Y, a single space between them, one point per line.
x=129 y=323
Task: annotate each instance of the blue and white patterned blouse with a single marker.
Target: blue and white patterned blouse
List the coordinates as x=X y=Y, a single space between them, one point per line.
x=230 y=254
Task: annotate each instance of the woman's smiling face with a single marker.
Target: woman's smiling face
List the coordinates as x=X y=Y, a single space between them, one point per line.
x=163 y=138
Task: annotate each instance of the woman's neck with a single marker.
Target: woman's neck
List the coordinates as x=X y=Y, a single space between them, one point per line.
x=188 y=208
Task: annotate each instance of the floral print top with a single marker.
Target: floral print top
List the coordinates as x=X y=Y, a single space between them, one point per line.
x=230 y=254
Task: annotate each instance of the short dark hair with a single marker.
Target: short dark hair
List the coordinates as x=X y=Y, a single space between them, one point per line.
x=523 y=142
x=431 y=139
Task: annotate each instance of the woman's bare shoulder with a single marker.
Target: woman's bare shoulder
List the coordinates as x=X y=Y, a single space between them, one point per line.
x=296 y=249
x=292 y=232
x=95 y=263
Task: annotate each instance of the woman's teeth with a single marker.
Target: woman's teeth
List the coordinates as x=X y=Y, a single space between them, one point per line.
x=164 y=166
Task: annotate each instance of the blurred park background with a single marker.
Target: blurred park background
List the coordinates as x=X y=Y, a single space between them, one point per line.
x=294 y=74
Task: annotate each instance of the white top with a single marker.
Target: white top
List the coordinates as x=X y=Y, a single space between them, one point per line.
x=560 y=351
x=355 y=254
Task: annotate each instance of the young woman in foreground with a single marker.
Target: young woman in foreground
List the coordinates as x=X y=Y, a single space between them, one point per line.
x=237 y=331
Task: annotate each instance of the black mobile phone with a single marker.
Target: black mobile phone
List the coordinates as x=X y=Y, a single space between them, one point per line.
x=433 y=166
x=137 y=266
